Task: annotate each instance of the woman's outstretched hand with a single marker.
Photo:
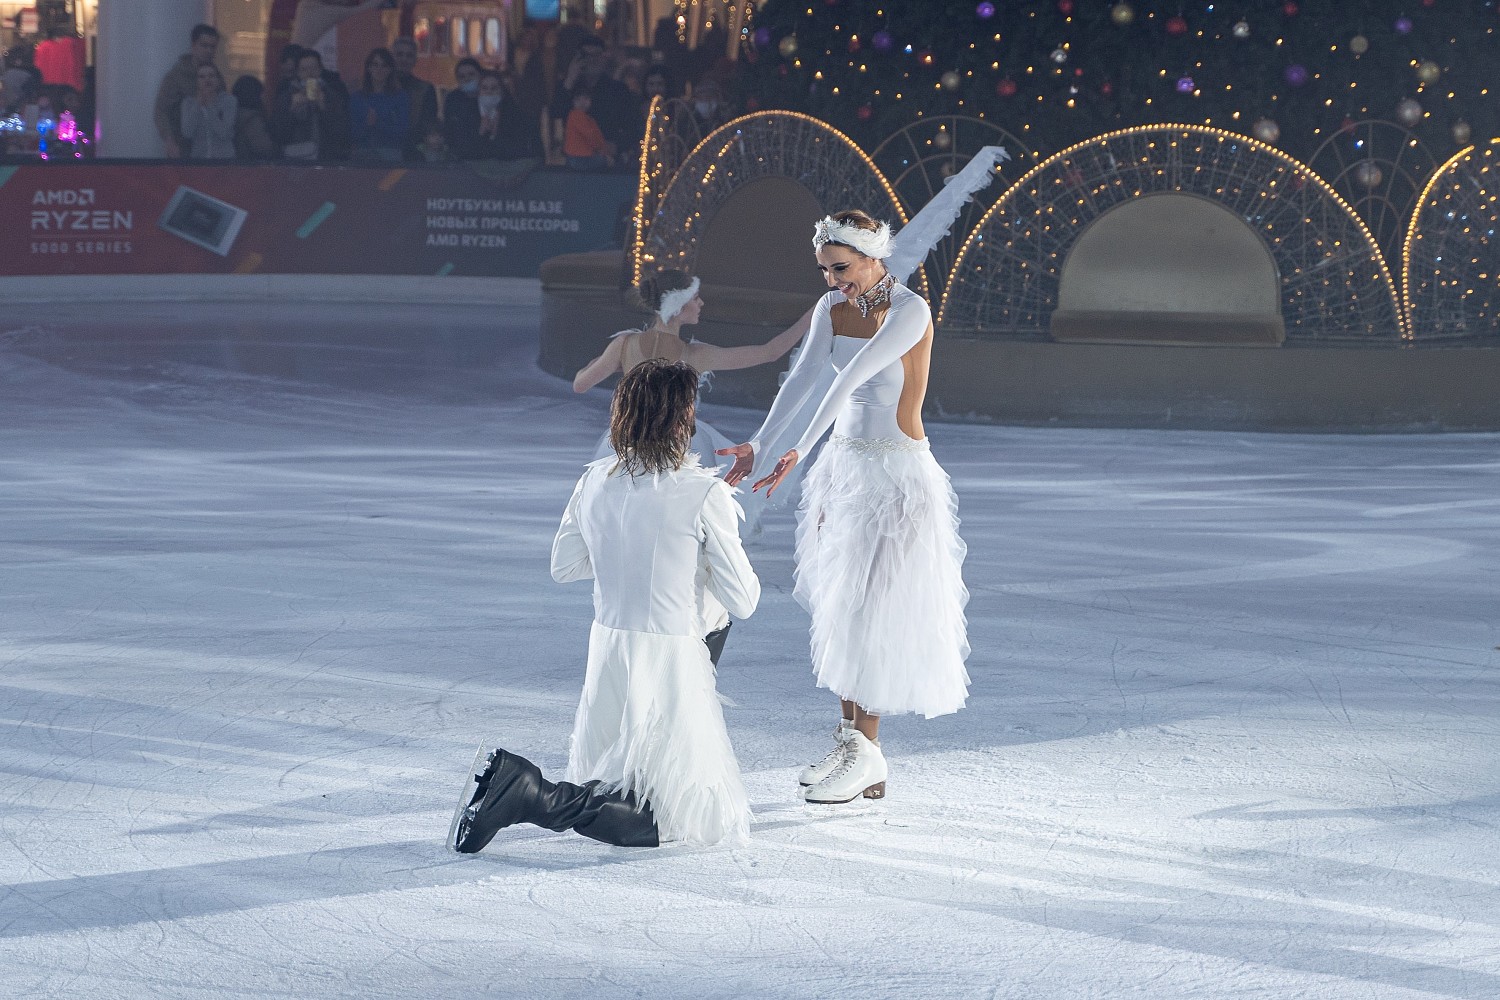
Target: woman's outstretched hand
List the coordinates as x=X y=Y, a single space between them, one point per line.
x=784 y=467
x=744 y=460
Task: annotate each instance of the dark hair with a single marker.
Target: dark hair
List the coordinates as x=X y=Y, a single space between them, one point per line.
x=857 y=219
x=391 y=86
x=467 y=61
x=310 y=54
x=201 y=30
x=249 y=92
x=664 y=73
x=591 y=42
x=654 y=286
x=651 y=417
x=291 y=51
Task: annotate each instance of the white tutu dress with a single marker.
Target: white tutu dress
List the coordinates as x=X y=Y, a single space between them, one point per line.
x=879 y=557
x=666 y=559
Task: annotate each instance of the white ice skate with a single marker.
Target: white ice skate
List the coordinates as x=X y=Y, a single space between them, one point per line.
x=861 y=772
x=468 y=795
x=814 y=773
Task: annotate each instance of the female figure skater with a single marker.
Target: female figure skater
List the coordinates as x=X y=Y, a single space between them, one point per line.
x=673 y=297
x=649 y=759
x=878 y=552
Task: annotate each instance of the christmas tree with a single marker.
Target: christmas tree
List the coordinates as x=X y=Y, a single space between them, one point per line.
x=1056 y=72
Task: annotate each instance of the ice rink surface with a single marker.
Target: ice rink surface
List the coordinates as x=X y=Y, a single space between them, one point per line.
x=270 y=574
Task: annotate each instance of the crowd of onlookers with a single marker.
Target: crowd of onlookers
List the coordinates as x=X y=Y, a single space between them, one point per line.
x=583 y=104
x=590 y=115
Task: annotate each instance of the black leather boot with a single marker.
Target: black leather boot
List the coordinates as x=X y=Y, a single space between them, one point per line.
x=514 y=791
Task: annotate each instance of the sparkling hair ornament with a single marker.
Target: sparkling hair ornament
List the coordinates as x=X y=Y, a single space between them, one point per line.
x=875 y=244
x=673 y=302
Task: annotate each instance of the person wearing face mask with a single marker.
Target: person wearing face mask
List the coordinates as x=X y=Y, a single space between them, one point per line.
x=708 y=106
x=380 y=112
x=501 y=131
x=461 y=104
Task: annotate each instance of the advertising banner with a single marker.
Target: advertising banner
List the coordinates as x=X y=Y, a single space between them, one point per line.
x=232 y=219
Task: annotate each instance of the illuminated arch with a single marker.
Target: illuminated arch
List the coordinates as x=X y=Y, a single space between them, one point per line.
x=1334 y=280
x=918 y=159
x=671 y=134
x=1450 y=262
x=763 y=146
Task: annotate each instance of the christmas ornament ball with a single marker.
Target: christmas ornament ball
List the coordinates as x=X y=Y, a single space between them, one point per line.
x=1122 y=14
x=1408 y=112
x=1359 y=45
x=788 y=46
x=1185 y=85
x=1006 y=87
x=985 y=10
x=1461 y=132
x=1059 y=55
x=1428 y=71
x=1368 y=174
x=1403 y=25
x=951 y=80
x=1177 y=25
x=1241 y=30
x=943 y=140
x=1295 y=74
x=882 y=41
x=1266 y=130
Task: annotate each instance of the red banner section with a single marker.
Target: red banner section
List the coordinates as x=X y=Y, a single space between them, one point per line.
x=190 y=219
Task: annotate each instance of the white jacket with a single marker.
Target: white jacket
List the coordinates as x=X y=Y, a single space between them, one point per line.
x=664 y=551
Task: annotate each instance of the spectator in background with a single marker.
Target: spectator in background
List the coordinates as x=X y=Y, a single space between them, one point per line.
x=311 y=122
x=709 y=110
x=461 y=104
x=611 y=104
x=433 y=147
x=208 y=118
x=180 y=84
x=252 y=133
x=584 y=145
x=61 y=58
x=21 y=79
x=286 y=70
x=380 y=112
x=424 y=101
x=503 y=132
x=657 y=82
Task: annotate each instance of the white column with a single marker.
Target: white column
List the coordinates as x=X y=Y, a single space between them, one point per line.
x=138 y=43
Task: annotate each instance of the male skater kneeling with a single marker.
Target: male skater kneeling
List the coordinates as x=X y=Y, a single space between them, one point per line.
x=649 y=760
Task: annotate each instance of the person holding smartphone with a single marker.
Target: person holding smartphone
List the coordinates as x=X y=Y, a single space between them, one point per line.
x=311 y=118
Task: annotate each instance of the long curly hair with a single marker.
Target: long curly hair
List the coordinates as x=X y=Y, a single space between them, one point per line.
x=651 y=418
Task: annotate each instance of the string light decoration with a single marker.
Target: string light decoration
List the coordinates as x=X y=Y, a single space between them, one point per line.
x=1059 y=71
x=919 y=158
x=1335 y=284
x=1379 y=168
x=672 y=132
x=1450 y=263
x=763 y=144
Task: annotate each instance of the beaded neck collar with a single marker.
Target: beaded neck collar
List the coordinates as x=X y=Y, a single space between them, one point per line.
x=878 y=295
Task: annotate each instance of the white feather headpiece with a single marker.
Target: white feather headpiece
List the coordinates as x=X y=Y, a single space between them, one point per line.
x=876 y=244
x=673 y=302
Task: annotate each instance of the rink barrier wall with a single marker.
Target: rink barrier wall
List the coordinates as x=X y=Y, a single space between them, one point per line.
x=1305 y=388
x=382 y=289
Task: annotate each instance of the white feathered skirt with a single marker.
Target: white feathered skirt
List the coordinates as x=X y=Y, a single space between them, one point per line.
x=879 y=568
x=650 y=721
